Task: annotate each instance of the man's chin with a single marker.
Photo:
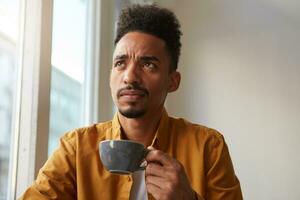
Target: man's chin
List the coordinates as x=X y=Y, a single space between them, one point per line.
x=131 y=113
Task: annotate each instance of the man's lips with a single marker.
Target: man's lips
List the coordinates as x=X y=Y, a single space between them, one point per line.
x=131 y=95
x=132 y=92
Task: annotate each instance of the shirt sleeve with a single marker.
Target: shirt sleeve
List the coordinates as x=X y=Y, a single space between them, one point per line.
x=222 y=182
x=57 y=178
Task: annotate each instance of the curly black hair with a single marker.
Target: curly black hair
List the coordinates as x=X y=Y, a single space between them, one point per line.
x=153 y=20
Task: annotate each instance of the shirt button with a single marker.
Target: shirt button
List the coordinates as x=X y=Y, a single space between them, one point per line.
x=129 y=178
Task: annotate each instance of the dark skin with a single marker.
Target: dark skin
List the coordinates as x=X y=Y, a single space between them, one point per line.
x=140 y=81
x=166 y=177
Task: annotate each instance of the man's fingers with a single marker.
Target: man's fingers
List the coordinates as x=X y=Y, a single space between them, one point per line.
x=165 y=177
x=158 y=156
x=154 y=169
x=159 y=187
x=154 y=190
x=155 y=180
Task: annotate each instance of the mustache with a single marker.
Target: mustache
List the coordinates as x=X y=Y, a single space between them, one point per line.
x=133 y=86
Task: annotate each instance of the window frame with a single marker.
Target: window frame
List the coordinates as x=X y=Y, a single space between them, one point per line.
x=98 y=105
x=33 y=94
x=32 y=105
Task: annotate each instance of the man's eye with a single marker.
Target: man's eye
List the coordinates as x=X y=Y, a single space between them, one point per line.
x=119 y=64
x=149 y=65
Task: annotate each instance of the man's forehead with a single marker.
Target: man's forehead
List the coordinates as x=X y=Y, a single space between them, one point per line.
x=140 y=34
x=139 y=43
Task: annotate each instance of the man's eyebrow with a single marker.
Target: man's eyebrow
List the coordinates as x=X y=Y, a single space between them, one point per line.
x=121 y=57
x=149 y=58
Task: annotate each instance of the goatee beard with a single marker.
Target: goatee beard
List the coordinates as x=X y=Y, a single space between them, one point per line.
x=132 y=113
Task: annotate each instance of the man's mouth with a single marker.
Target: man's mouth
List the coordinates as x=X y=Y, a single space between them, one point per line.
x=132 y=92
x=131 y=95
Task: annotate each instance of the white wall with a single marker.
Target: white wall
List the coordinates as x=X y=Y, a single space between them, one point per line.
x=240 y=68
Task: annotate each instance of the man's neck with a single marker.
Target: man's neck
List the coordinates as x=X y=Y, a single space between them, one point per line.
x=141 y=129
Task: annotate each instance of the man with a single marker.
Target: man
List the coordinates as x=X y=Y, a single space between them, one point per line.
x=186 y=161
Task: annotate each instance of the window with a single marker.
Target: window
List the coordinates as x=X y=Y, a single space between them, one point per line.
x=79 y=86
x=45 y=93
x=68 y=68
x=8 y=75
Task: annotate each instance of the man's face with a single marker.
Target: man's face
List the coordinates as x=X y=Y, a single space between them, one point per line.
x=140 y=77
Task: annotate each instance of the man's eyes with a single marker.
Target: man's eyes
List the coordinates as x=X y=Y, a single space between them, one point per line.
x=144 y=64
x=149 y=65
x=119 y=64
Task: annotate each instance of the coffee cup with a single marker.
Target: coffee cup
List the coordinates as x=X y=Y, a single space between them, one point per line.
x=122 y=156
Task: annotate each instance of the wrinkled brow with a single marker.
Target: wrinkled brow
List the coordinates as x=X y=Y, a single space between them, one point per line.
x=143 y=58
x=149 y=58
x=121 y=57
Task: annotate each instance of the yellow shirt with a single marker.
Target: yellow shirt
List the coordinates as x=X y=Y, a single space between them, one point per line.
x=75 y=171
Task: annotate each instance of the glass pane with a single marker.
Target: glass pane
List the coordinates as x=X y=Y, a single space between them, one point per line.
x=68 y=57
x=8 y=74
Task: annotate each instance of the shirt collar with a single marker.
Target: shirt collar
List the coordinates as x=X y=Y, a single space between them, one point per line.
x=162 y=135
x=116 y=128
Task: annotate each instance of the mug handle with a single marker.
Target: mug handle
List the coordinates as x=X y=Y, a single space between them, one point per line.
x=143 y=164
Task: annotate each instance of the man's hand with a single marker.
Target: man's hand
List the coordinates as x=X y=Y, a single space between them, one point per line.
x=166 y=178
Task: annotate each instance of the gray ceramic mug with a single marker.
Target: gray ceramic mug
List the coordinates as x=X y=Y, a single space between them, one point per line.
x=122 y=156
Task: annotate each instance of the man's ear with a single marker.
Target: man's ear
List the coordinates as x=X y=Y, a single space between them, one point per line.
x=174 y=83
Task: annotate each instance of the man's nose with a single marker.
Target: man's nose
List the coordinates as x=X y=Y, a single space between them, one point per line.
x=132 y=74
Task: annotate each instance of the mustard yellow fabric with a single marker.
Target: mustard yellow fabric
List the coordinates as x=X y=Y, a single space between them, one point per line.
x=75 y=171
